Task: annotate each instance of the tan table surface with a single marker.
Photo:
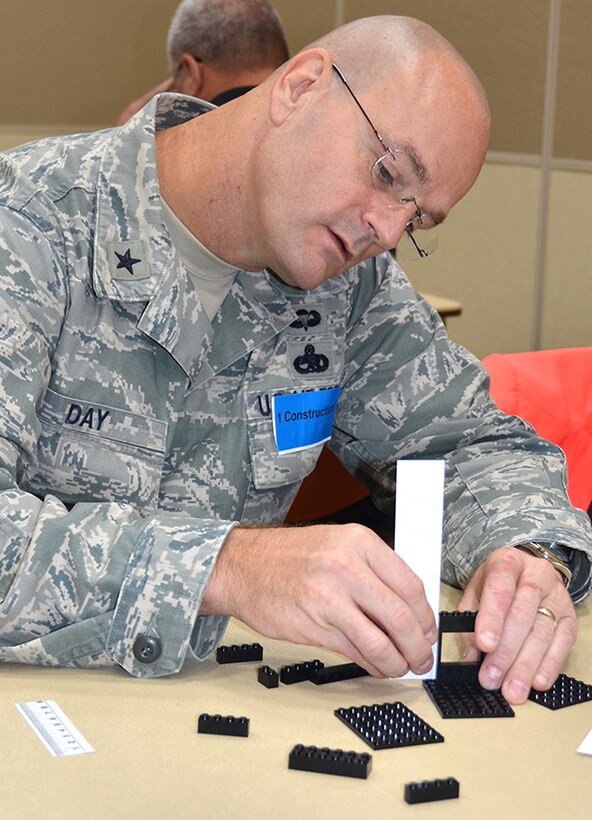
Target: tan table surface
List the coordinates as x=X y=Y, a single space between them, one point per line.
x=149 y=762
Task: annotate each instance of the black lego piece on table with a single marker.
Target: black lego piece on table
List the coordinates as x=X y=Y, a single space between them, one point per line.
x=428 y=790
x=342 y=671
x=268 y=677
x=238 y=653
x=564 y=692
x=467 y=700
x=297 y=672
x=388 y=725
x=219 y=725
x=330 y=761
x=463 y=671
x=456 y=692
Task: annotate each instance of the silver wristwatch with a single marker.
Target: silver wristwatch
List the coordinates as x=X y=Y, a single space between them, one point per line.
x=544 y=551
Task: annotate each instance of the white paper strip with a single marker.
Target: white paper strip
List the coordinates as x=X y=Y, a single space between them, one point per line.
x=58 y=734
x=419 y=507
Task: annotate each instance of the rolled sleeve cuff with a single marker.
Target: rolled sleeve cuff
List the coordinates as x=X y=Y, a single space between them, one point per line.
x=156 y=613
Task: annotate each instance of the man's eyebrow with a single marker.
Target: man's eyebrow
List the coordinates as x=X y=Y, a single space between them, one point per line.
x=419 y=169
x=423 y=175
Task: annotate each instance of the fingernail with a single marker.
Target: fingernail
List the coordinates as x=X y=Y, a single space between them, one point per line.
x=494 y=676
x=516 y=690
x=541 y=682
x=432 y=635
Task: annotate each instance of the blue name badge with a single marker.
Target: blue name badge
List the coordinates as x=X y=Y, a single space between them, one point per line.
x=303 y=420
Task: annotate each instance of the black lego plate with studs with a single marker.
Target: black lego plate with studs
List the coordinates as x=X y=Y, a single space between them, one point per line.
x=388 y=725
x=467 y=700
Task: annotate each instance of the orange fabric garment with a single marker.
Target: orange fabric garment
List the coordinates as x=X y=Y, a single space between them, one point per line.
x=552 y=389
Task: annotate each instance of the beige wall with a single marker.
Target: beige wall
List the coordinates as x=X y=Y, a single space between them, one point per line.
x=514 y=252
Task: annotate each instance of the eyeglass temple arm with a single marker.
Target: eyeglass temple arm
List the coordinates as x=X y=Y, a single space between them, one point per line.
x=420 y=251
x=359 y=104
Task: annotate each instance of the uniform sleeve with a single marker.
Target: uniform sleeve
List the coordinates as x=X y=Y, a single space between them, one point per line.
x=412 y=393
x=96 y=584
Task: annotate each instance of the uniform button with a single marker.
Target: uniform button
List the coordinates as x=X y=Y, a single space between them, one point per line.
x=147 y=649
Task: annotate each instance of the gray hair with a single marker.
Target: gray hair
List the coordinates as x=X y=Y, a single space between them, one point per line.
x=230 y=34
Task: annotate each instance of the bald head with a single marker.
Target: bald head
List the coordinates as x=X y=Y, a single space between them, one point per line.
x=305 y=158
x=423 y=87
x=372 y=47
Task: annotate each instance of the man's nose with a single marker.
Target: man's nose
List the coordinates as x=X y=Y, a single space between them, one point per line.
x=388 y=222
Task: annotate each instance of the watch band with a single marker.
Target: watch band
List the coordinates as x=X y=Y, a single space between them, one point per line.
x=544 y=551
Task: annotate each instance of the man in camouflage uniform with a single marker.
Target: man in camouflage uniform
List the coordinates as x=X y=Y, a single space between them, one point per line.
x=219 y=49
x=150 y=410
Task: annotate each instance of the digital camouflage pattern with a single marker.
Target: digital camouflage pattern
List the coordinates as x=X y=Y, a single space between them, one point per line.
x=134 y=433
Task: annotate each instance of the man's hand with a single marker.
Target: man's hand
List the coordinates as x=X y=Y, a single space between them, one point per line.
x=336 y=586
x=524 y=647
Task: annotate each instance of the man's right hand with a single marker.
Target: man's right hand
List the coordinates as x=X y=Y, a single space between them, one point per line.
x=335 y=586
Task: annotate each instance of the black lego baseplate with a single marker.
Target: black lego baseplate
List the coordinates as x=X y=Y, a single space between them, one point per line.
x=388 y=725
x=564 y=692
x=467 y=700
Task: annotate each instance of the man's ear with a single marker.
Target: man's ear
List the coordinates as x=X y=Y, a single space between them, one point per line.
x=189 y=77
x=302 y=75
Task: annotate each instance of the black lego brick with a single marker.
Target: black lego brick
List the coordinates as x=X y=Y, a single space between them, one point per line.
x=564 y=692
x=465 y=672
x=467 y=700
x=457 y=621
x=388 y=725
x=428 y=790
x=297 y=672
x=333 y=674
x=238 y=653
x=268 y=677
x=330 y=761
x=219 y=725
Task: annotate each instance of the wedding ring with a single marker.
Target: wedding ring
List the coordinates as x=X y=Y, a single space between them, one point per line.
x=549 y=614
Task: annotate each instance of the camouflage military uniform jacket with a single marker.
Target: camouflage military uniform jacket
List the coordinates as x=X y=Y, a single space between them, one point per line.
x=134 y=434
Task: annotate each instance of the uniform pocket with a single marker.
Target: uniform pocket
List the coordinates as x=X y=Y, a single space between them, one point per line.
x=270 y=468
x=95 y=452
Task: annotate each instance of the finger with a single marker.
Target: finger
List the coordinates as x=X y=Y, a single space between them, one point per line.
x=400 y=579
x=522 y=620
x=395 y=641
x=519 y=625
x=336 y=641
x=517 y=682
x=367 y=644
x=397 y=623
x=498 y=591
x=556 y=655
x=542 y=656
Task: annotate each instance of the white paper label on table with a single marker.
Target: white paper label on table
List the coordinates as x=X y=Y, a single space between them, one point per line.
x=585 y=747
x=58 y=734
x=419 y=507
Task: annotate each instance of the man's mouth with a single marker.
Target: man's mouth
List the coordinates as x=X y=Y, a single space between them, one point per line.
x=341 y=245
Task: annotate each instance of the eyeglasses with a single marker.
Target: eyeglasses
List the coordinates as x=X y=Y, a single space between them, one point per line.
x=393 y=175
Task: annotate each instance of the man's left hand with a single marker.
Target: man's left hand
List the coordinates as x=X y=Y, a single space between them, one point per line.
x=524 y=647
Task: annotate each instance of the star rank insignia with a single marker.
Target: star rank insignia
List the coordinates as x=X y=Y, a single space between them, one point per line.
x=127 y=260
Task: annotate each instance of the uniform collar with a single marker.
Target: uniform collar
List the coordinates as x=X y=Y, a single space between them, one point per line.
x=134 y=259
x=129 y=211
